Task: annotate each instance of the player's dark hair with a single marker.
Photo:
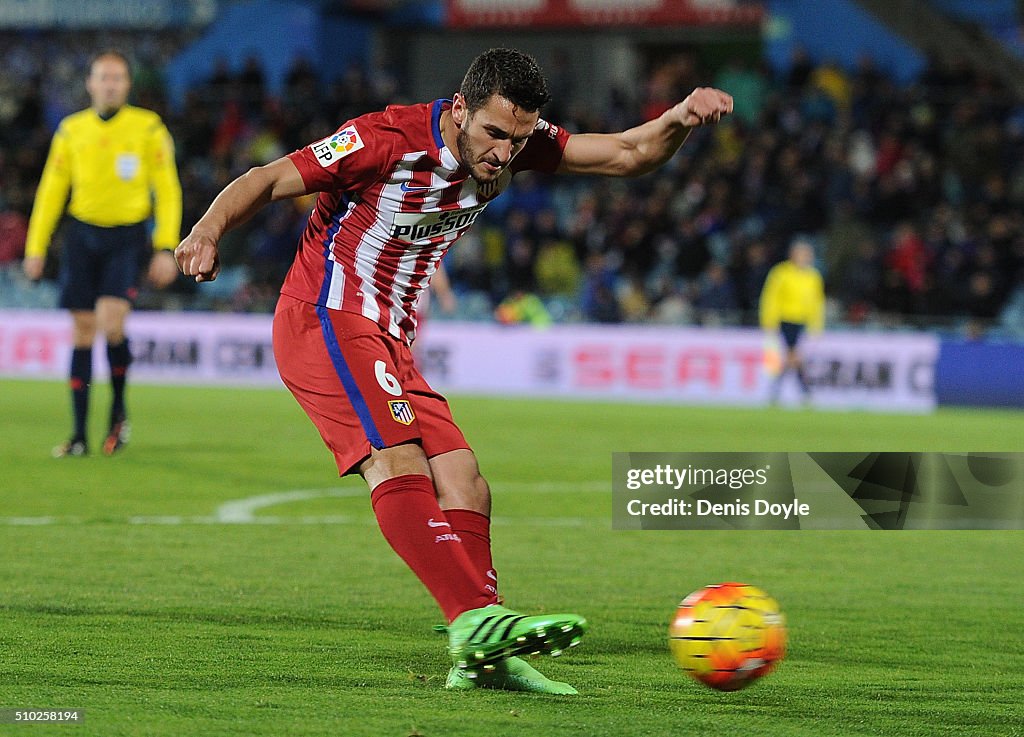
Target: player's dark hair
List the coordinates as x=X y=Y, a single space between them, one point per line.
x=506 y=72
x=111 y=54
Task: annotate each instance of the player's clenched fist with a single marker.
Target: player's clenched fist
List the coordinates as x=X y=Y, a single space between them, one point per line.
x=197 y=256
x=703 y=105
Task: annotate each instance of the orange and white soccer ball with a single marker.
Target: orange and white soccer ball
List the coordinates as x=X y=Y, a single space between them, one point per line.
x=728 y=635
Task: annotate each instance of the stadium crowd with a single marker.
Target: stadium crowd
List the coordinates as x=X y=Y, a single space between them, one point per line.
x=911 y=195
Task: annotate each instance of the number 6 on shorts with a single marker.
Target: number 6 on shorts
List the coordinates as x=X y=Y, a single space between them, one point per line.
x=387 y=382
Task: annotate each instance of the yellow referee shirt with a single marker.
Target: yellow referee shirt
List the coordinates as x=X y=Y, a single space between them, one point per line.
x=115 y=170
x=793 y=294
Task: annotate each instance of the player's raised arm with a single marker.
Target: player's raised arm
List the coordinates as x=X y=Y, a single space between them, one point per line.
x=197 y=253
x=646 y=147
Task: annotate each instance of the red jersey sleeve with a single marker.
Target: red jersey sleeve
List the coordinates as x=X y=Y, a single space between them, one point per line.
x=350 y=159
x=543 y=151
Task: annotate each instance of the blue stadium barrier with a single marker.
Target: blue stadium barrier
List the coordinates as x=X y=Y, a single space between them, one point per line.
x=276 y=32
x=992 y=14
x=977 y=374
x=836 y=30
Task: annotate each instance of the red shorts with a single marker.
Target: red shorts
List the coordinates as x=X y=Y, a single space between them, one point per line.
x=358 y=384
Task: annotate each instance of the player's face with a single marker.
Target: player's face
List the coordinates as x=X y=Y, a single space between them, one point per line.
x=489 y=137
x=108 y=84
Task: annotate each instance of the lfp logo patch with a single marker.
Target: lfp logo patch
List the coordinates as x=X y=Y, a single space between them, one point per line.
x=337 y=146
x=401 y=411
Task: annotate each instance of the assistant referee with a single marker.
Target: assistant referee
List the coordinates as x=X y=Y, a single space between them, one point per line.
x=117 y=161
x=793 y=299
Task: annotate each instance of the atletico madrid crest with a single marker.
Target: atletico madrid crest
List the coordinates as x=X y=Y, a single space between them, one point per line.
x=401 y=411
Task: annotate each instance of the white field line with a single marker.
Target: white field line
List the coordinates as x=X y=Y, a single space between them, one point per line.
x=244 y=511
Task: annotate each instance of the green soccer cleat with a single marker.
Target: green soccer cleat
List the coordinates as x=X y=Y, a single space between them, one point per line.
x=511 y=674
x=478 y=640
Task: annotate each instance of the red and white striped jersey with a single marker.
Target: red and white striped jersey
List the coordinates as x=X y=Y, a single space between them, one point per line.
x=393 y=199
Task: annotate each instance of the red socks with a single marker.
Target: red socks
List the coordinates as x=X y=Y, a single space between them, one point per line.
x=421 y=534
x=475 y=530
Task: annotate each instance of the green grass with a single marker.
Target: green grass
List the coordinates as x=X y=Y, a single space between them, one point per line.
x=316 y=628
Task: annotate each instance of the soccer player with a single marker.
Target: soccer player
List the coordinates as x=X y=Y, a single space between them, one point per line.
x=792 y=300
x=115 y=159
x=397 y=189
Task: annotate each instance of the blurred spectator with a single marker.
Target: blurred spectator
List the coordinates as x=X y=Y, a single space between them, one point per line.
x=600 y=303
x=982 y=298
x=909 y=257
x=523 y=308
x=748 y=88
x=843 y=237
x=715 y=294
x=633 y=300
x=859 y=283
x=800 y=70
x=13 y=229
x=753 y=272
x=834 y=82
x=557 y=270
x=251 y=85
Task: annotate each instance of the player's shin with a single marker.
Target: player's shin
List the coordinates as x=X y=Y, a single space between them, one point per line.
x=416 y=528
x=119 y=357
x=81 y=379
x=475 y=530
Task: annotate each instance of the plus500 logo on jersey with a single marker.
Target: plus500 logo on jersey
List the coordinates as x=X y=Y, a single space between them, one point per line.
x=418 y=226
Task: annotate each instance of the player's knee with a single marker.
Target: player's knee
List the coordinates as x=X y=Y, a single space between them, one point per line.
x=83 y=329
x=111 y=314
x=399 y=460
x=467 y=491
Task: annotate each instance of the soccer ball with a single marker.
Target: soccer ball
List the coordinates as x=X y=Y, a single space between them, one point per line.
x=728 y=635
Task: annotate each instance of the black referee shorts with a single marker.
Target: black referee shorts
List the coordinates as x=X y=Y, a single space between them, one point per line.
x=102 y=262
x=791 y=333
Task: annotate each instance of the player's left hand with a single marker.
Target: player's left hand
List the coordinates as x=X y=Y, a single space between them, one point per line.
x=703 y=106
x=163 y=269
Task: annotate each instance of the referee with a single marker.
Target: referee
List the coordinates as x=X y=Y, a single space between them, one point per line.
x=118 y=163
x=793 y=299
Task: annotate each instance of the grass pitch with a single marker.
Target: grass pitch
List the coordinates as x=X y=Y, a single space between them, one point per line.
x=128 y=591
